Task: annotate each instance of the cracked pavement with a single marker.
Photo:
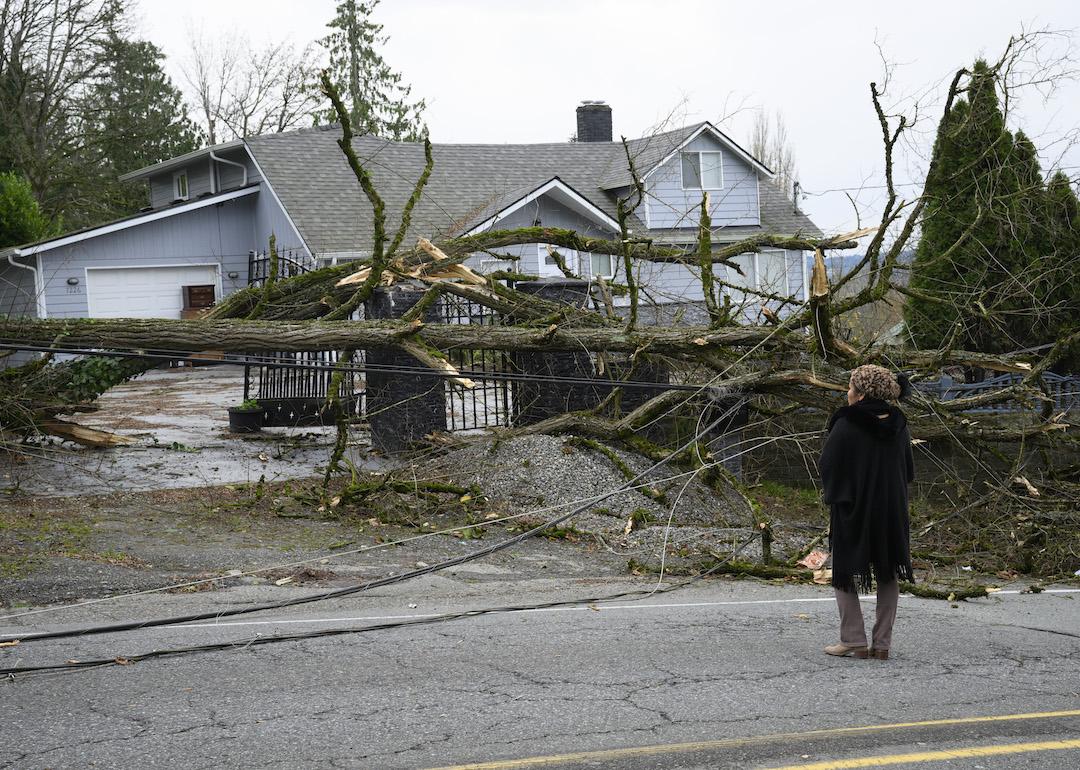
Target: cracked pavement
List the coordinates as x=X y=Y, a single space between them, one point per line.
x=679 y=667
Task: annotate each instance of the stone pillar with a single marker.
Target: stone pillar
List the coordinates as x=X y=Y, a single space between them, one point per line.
x=402 y=408
x=641 y=371
x=536 y=401
x=725 y=440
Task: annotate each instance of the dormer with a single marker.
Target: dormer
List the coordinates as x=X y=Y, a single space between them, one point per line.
x=197 y=174
x=679 y=167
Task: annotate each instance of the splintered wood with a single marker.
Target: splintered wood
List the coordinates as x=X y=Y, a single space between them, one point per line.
x=440 y=268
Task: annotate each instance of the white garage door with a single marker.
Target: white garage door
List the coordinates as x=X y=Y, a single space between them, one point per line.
x=143 y=292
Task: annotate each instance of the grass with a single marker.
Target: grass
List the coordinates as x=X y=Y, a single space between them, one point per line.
x=775 y=491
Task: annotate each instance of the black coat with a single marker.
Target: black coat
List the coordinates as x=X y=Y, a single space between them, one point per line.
x=865 y=467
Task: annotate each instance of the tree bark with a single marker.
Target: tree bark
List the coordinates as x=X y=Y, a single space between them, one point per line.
x=146 y=335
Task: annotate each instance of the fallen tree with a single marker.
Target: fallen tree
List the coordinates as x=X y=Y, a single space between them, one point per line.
x=797 y=359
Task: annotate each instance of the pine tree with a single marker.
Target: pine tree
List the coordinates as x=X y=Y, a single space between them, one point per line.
x=134 y=116
x=1062 y=268
x=973 y=185
x=379 y=102
x=1014 y=281
x=21 y=220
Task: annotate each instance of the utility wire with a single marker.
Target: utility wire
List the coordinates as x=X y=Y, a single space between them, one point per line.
x=349 y=590
x=328 y=632
x=254 y=360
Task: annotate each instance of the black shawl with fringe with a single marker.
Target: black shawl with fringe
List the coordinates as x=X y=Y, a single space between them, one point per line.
x=865 y=467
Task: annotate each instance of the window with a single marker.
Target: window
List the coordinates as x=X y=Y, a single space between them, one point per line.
x=702 y=170
x=772 y=272
x=180 y=188
x=600 y=265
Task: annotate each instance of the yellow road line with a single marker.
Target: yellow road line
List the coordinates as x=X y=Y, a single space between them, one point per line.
x=609 y=755
x=936 y=756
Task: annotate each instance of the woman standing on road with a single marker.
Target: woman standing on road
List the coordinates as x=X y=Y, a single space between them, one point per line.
x=865 y=467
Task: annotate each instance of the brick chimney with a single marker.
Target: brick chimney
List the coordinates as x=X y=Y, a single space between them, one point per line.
x=593 y=122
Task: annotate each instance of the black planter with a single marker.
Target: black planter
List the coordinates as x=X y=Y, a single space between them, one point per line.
x=245 y=420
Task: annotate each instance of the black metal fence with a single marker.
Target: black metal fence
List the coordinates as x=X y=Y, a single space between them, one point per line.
x=291 y=263
x=488 y=403
x=1063 y=390
x=292 y=388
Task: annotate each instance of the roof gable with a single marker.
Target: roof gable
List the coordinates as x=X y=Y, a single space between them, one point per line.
x=650 y=153
x=559 y=191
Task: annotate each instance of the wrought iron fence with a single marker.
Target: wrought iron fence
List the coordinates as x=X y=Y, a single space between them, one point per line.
x=292 y=388
x=1064 y=390
x=488 y=403
x=291 y=263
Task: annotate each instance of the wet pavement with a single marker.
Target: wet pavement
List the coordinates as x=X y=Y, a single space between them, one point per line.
x=180 y=425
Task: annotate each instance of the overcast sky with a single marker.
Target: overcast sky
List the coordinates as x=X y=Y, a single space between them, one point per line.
x=513 y=71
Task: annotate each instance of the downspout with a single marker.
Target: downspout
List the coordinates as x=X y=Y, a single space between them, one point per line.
x=38 y=295
x=231 y=163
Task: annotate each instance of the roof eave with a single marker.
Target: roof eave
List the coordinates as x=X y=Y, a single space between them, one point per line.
x=180 y=160
x=66 y=239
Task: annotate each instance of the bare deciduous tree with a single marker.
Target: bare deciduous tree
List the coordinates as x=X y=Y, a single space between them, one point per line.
x=49 y=56
x=240 y=91
x=769 y=143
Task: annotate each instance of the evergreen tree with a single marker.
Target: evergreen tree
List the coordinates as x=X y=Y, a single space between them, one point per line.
x=21 y=220
x=1014 y=281
x=1062 y=269
x=973 y=178
x=134 y=116
x=378 y=100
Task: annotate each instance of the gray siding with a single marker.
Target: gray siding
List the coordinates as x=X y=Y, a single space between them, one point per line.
x=218 y=234
x=18 y=295
x=198 y=173
x=669 y=205
x=551 y=213
x=796 y=276
x=270 y=219
x=666 y=282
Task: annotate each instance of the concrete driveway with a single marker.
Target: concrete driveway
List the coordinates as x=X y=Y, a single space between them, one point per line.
x=179 y=421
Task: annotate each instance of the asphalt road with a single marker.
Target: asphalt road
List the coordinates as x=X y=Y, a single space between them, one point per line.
x=725 y=674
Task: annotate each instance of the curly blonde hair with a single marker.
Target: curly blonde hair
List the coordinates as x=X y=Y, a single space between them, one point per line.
x=875 y=382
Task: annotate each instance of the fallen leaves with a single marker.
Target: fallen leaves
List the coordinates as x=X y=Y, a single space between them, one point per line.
x=814 y=560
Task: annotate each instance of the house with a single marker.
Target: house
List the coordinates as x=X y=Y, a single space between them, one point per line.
x=211 y=213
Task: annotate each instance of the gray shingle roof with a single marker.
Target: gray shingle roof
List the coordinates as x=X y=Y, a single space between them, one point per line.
x=646 y=152
x=469 y=183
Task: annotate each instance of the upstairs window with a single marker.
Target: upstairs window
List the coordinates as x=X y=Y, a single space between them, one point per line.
x=180 y=188
x=702 y=171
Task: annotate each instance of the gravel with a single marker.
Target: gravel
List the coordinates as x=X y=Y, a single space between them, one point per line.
x=550 y=475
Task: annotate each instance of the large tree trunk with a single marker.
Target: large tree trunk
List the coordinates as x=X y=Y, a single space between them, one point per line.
x=287 y=336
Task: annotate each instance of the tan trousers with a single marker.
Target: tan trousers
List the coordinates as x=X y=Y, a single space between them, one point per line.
x=852 y=632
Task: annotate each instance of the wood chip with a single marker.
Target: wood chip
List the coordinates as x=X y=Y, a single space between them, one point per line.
x=91 y=437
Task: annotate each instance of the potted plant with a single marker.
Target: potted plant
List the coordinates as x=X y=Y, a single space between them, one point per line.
x=246 y=418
